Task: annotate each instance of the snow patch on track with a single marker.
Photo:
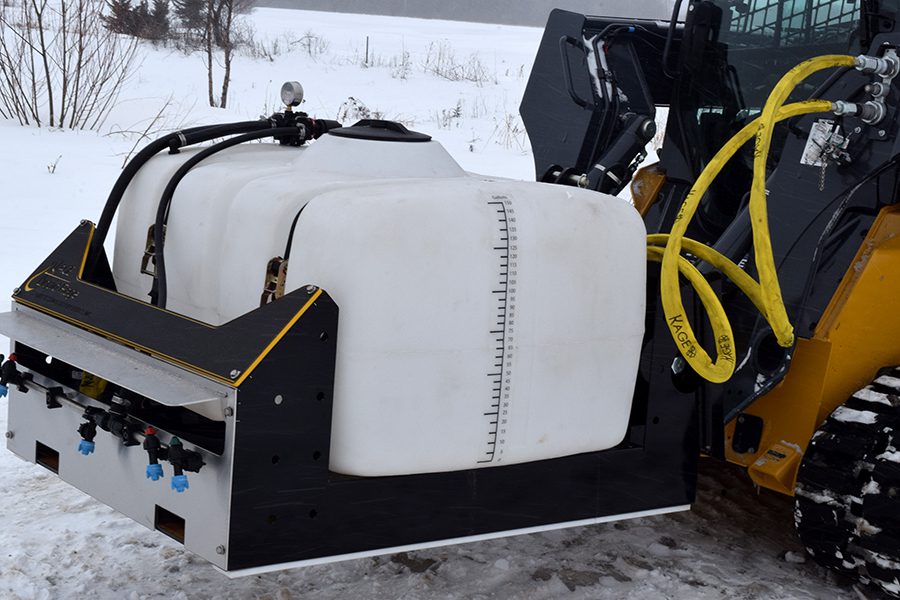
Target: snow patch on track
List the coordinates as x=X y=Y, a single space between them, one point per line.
x=851 y=415
x=870 y=395
x=891 y=455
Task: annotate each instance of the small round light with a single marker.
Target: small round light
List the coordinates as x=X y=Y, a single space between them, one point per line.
x=292 y=93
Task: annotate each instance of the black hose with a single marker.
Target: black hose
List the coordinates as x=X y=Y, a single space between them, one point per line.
x=173 y=141
x=290 y=240
x=159 y=293
x=610 y=100
x=670 y=35
x=613 y=29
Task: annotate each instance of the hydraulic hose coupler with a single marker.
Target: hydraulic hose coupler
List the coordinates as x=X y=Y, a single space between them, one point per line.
x=887 y=66
x=870 y=112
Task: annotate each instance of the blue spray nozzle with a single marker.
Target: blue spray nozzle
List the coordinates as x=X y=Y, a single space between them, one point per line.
x=180 y=483
x=154 y=472
x=86 y=447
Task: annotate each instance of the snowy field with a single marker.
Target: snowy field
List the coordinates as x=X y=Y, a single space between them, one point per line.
x=56 y=542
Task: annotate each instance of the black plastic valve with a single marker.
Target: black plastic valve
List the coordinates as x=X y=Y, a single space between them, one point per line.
x=183 y=460
x=155 y=452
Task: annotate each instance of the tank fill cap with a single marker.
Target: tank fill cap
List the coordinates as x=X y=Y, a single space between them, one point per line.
x=380 y=131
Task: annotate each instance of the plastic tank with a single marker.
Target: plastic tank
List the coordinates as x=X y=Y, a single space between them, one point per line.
x=483 y=322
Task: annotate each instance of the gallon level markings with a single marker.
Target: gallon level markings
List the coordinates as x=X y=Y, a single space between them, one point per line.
x=504 y=294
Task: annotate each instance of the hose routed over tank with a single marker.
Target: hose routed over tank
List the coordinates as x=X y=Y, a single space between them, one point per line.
x=290 y=128
x=159 y=293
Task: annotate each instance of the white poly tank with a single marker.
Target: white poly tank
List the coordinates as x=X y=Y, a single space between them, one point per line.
x=482 y=321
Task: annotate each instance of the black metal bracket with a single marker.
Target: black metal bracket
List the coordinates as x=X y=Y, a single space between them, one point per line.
x=748 y=430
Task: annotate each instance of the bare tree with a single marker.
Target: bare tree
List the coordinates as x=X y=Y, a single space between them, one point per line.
x=214 y=27
x=225 y=19
x=210 y=5
x=222 y=32
x=58 y=65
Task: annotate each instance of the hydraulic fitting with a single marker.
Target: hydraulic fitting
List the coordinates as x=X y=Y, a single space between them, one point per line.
x=870 y=112
x=839 y=107
x=877 y=90
x=886 y=66
x=874 y=111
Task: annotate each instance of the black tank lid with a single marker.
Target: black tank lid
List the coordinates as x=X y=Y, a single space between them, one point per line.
x=380 y=131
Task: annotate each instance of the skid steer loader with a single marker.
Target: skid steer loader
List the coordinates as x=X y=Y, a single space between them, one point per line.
x=342 y=344
x=810 y=412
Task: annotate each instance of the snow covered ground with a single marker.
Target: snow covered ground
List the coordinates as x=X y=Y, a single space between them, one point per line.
x=735 y=544
x=55 y=542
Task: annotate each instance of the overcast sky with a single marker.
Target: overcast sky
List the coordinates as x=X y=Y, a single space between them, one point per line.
x=517 y=12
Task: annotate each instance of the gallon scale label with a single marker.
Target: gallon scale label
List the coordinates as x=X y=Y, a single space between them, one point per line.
x=503 y=333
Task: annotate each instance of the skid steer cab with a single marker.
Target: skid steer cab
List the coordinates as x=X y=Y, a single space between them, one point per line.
x=341 y=343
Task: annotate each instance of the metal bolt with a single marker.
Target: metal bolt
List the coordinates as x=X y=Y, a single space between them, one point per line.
x=16 y=290
x=220 y=549
x=84 y=221
x=648 y=129
x=234 y=373
x=881 y=133
x=310 y=289
x=229 y=412
x=10 y=435
x=857 y=130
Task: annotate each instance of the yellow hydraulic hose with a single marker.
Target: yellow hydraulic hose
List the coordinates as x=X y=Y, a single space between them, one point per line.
x=766 y=294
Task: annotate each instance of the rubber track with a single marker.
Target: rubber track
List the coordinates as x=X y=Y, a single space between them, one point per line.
x=847 y=509
x=880 y=538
